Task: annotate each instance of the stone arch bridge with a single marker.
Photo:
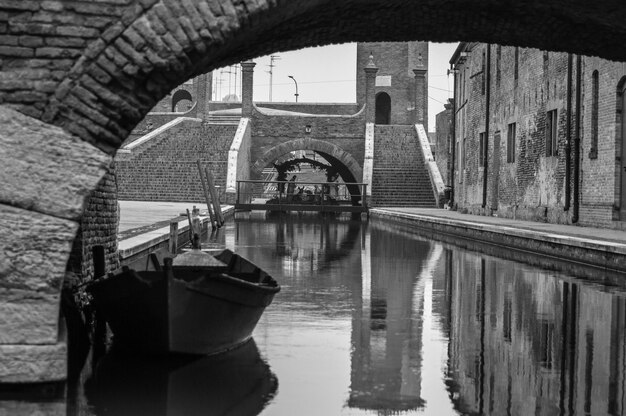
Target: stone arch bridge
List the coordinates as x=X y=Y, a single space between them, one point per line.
x=77 y=76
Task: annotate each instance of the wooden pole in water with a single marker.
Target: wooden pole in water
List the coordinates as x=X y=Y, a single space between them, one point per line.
x=190 y=225
x=214 y=221
x=214 y=198
x=99 y=323
x=173 y=244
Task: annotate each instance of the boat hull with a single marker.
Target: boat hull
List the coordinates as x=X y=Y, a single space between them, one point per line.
x=163 y=312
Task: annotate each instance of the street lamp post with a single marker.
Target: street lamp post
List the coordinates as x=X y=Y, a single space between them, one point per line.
x=296 y=82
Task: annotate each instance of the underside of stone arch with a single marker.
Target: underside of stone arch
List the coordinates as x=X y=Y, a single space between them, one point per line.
x=104 y=75
x=349 y=169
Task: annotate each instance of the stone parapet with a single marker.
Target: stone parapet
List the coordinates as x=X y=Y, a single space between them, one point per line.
x=436 y=179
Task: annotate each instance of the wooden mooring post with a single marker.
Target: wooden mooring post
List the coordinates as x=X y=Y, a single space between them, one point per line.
x=214 y=197
x=214 y=221
x=173 y=243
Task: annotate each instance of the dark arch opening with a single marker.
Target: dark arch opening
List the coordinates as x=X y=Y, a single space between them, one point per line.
x=179 y=96
x=346 y=175
x=383 y=108
x=338 y=166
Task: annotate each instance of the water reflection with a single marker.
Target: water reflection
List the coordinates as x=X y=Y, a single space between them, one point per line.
x=524 y=341
x=433 y=328
x=235 y=383
x=387 y=325
x=377 y=319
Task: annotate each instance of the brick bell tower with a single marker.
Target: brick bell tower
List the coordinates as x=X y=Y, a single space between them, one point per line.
x=401 y=82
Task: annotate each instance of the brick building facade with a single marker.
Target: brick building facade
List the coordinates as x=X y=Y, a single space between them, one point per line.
x=441 y=144
x=401 y=84
x=538 y=135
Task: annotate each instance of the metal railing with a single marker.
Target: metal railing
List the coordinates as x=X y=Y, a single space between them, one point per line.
x=301 y=196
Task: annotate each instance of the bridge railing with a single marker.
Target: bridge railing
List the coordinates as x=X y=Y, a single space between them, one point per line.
x=301 y=196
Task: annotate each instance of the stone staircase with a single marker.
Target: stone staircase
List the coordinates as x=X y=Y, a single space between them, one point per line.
x=223 y=119
x=165 y=169
x=400 y=178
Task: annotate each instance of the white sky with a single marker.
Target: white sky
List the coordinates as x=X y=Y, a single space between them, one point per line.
x=328 y=74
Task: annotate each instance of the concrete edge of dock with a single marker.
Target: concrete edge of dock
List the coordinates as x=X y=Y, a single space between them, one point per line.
x=609 y=255
x=145 y=243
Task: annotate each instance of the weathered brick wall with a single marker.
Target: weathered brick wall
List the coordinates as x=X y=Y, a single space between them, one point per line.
x=308 y=108
x=470 y=122
x=533 y=187
x=42 y=40
x=396 y=60
x=600 y=179
x=346 y=132
x=443 y=135
x=165 y=104
x=76 y=64
x=164 y=168
x=98 y=226
x=153 y=121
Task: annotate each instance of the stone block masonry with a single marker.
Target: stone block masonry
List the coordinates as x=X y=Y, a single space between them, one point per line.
x=164 y=168
x=345 y=133
x=46 y=175
x=98 y=226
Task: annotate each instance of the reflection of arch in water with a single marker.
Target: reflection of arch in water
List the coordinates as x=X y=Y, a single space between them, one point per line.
x=179 y=96
x=331 y=250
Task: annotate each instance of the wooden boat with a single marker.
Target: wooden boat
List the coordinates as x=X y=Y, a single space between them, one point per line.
x=197 y=304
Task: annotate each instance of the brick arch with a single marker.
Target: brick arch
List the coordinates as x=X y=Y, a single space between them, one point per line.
x=113 y=69
x=179 y=96
x=326 y=148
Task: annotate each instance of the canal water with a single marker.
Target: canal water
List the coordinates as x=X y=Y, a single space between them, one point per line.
x=376 y=319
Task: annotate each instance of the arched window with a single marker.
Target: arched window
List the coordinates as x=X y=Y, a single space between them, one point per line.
x=179 y=96
x=593 y=151
x=383 y=108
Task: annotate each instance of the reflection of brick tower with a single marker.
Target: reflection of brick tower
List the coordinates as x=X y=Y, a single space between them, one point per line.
x=401 y=92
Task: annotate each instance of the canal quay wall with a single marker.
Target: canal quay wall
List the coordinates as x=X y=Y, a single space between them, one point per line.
x=565 y=247
x=134 y=251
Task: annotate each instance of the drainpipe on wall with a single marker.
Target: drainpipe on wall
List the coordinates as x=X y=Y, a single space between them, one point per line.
x=577 y=140
x=487 y=101
x=453 y=143
x=568 y=135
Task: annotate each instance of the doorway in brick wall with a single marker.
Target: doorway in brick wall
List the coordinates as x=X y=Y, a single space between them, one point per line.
x=383 y=108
